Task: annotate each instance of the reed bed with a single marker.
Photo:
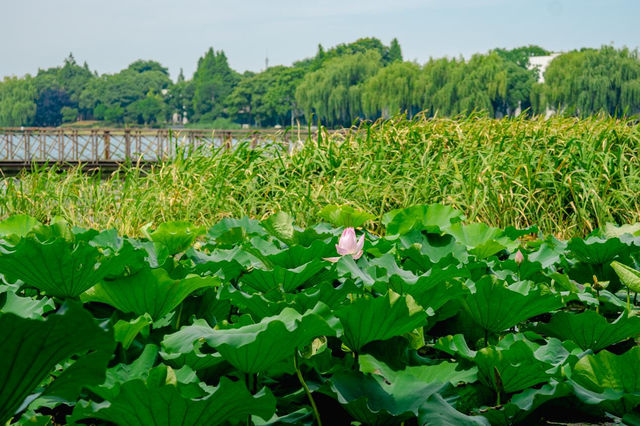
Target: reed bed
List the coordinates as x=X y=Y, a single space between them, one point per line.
x=567 y=176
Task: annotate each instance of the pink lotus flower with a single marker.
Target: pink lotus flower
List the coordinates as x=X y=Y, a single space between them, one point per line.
x=348 y=245
x=519 y=258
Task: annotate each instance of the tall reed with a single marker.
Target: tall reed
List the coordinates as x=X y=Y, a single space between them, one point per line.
x=568 y=176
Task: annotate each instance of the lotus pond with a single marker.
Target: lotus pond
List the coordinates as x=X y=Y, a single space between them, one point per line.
x=436 y=321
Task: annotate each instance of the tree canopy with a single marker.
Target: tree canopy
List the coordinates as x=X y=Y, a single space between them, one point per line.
x=361 y=80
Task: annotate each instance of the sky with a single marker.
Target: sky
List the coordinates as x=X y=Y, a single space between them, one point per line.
x=110 y=34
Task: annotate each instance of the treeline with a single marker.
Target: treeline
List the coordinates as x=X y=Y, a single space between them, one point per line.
x=361 y=80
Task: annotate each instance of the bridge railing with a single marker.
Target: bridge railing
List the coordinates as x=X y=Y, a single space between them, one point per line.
x=116 y=145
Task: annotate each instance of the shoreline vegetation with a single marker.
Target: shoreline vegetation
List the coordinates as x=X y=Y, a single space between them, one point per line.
x=568 y=176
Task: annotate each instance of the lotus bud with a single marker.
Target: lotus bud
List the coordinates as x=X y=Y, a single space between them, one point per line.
x=519 y=257
x=349 y=245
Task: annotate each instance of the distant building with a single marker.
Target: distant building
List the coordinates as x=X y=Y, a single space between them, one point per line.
x=541 y=63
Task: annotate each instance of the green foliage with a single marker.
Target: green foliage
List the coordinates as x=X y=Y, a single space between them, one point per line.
x=342 y=85
x=213 y=82
x=31 y=348
x=334 y=92
x=592 y=81
x=435 y=323
x=17 y=101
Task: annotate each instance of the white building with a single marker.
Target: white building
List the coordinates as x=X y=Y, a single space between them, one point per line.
x=541 y=63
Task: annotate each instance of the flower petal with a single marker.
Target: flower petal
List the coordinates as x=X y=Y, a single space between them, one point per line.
x=331 y=259
x=360 y=243
x=348 y=240
x=357 y=255
x=342 y=251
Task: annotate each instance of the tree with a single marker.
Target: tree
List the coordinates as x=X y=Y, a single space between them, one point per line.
x=394 y=89
x=141 y=66
x=334 y=92
x=49 y=106
x=591 y=81
x=17 y=101
x=395 y=52
x=267 y=98
x=213 y=81
x=123 y=89
x=69 y=115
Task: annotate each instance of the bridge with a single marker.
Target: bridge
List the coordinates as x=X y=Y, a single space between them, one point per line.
x=107 y=148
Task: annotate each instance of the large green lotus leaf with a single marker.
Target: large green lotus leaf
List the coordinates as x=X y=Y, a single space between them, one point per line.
x=429 y=250
x=435 y=288
x=280 y=225
x=298 y=255
x=347 y=267
x=612 y=381
x=525 y=403
x=17 y=226
x=386 y=267
x=302 y=416
x=628 y=276
x=232 y=231
x=512 y=369
x=345 y=216
x=432 y=218
x=590 y=330
x=374 y=399
x=496 y=307
x=611 y=230
x=123 y=258
x=380 y=318
x=445 y=372
x=482 y=240
x=228 y=264
x=149 y=291
x=176 y=236
x=58 y=267
x=455 y=345
x=438 y=412
x=144 y=403
x=122 y=373
x=254 y=304
x=25 y=307
x=548 y=253
x=595 y=250
x=256 y=347
x=189 y=353
x=88 y=370
x=126 y=331
x=279 y=277
x=325 y=292
x=31 y=348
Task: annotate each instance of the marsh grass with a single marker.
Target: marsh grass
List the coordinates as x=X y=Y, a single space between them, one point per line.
x=568 y=176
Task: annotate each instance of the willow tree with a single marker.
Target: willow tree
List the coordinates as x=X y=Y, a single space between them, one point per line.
x=394 y=89
x=438 y=82
x=592 y=81
x=334 y=92
x=17 y=101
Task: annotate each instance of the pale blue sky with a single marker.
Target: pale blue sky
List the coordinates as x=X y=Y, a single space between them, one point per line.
x=110 y=34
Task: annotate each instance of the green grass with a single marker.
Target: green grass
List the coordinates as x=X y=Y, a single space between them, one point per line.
x=568 y=176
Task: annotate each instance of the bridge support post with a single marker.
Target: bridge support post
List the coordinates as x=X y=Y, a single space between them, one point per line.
x=107 y=143
x=127 y=144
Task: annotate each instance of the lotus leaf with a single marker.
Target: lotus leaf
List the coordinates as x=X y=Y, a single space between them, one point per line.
x=31 y=348
x=149 y=291
x=380 y=318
